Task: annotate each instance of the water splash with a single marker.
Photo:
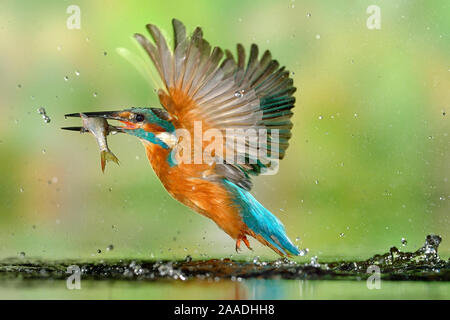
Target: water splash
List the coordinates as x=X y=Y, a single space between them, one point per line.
x=423 y=265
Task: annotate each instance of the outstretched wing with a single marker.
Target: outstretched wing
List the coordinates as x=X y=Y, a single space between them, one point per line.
x=209 y=85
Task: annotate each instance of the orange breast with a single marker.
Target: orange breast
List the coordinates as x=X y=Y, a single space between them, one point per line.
x=185 y=183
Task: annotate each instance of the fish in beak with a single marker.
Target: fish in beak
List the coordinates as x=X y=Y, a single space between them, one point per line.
x=96 y=123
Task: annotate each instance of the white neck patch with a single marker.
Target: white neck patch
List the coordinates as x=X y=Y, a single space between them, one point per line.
x=168 y=138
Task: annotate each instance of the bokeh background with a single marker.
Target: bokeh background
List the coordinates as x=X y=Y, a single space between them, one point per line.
x=368 y=163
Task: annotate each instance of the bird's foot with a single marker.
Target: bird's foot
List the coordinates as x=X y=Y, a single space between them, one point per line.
x=247 y=243
x=238 y=243
x=238 y=246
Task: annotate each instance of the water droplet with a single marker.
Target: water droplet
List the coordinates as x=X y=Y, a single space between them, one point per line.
x=316 y=181
x=99 y=251
x=308 y=15
x=95 y=94
x=256 y=260
x=317 y=36
x=42 y=112
x=297 y=239
x=404 y=242
x=77 y=73
x=341 y=235
x=239 y=93
x=21 y=189
x=110 y=247
x=66 y=78
x=188 y=258
x=19 y=86
x=105 y=53
x=21 y=255
x=320 y=117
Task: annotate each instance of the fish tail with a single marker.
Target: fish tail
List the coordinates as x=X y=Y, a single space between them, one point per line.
x=262 y=224
x=105 y=156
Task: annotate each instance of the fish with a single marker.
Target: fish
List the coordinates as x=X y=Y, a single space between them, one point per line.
x=100 y=129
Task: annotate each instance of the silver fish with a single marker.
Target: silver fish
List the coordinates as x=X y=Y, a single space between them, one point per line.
x=100 y=128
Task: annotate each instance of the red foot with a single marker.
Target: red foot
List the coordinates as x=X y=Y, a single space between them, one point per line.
x=238 y=243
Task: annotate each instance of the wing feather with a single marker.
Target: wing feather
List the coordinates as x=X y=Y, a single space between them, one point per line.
x=209 y=84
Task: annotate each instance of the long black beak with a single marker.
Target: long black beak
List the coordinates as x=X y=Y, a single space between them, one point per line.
x=79 y=129
x=112 y=115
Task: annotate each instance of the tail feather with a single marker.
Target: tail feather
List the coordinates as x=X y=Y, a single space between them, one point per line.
x=106 y=155
x=265 y=227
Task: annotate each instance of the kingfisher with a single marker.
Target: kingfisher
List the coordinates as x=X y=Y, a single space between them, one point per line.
x=203 y=90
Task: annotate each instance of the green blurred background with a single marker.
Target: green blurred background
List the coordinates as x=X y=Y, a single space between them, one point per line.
x=368 y=163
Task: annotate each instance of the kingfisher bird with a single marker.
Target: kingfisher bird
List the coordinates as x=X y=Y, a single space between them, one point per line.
x=208 y=88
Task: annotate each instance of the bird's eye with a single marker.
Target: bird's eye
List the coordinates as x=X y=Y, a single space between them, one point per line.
x=140 y=118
